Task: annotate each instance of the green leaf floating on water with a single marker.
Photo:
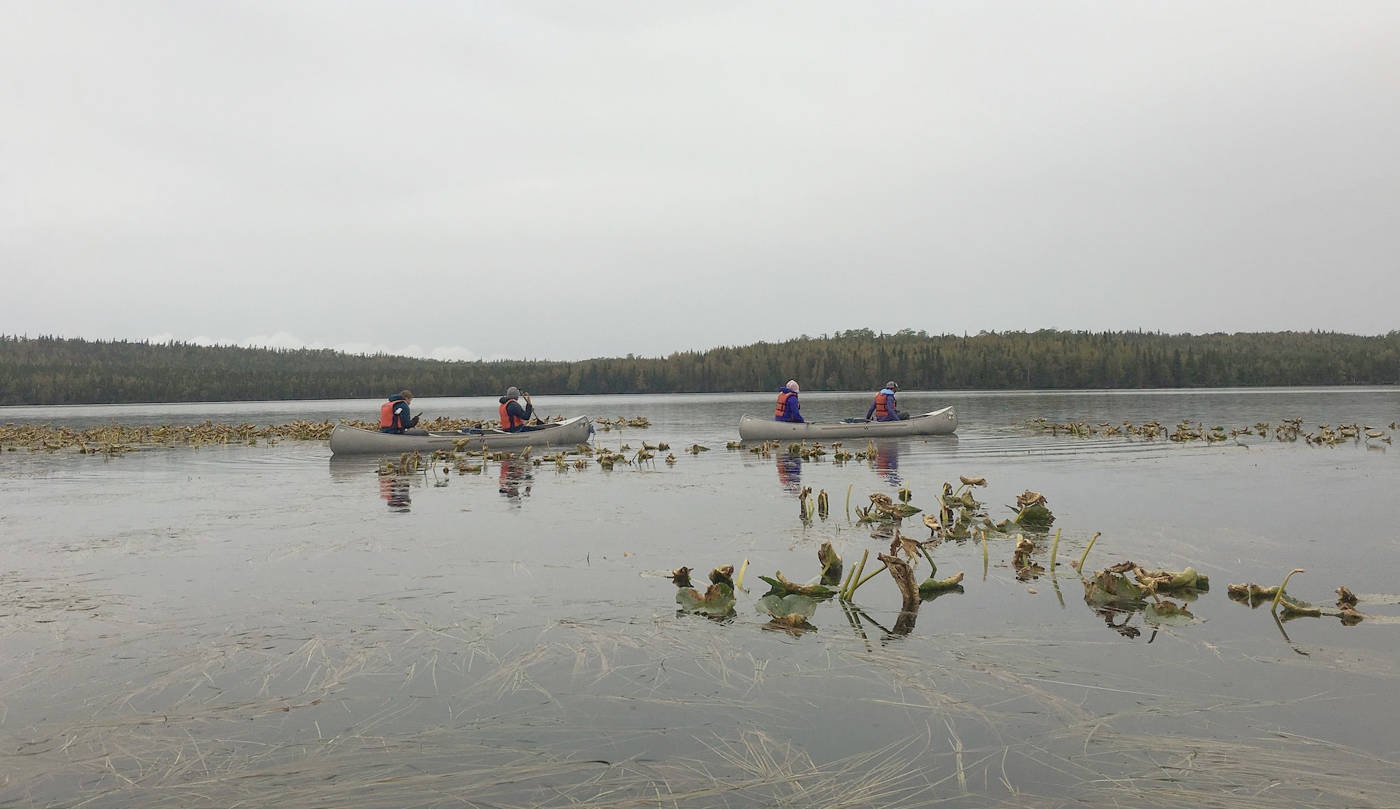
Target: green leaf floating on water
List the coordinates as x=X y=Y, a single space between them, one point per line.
x=779 y=606
x=1036 y=518
x=1108 y=587
x=900 y=510
x=717 y=599
x=779 y=585
x=932 y=588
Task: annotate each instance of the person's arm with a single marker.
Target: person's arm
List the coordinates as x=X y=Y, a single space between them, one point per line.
x=794 y=410
x=870 y=412
x=401 y=415
x=514 y=409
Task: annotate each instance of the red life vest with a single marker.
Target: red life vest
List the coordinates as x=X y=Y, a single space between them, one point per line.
x=509 y=421
x=882 y=407
x=780 y=411
x=386 y=414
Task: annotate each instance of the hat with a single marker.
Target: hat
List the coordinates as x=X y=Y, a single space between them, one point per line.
x=792 y=386
x=892 y=385
x=512 y=392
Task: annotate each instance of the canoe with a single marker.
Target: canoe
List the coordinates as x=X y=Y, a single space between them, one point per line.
x=347 y=440
x=938 y=422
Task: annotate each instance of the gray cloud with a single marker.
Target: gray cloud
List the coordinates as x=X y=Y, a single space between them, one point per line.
x=561 y=180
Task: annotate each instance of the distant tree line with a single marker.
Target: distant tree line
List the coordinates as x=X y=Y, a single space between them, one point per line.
x=53 y=370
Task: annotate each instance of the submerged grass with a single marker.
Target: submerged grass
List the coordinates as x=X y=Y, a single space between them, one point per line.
x=476 y=714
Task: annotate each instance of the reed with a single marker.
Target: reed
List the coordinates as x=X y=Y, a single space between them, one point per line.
x=1085 y=555
x=1279 y=595
x=865 y=555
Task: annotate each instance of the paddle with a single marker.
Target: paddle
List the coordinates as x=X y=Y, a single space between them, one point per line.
x=534 y=414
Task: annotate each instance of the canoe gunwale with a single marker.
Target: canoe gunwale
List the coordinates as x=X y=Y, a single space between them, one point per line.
x=347 y=440
x=937 y=422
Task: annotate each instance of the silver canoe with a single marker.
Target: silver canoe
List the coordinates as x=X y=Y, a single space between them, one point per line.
x=939 y=422
x=355 y=441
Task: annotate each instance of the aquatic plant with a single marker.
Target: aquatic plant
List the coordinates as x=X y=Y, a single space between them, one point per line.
x=830 y=562
x=717 y=600
x=1288 y=430
x=788 y=612
x=1021 y=559
x=1113 y=585
x=779 y=585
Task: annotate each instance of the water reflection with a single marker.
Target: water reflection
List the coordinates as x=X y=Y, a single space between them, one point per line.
x=517 y=478
x=394 y=491
x=886 y=461
x=790 y=472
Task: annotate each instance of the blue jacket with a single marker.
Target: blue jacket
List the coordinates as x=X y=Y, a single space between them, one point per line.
x=889 y=406
x=400 y=420
x=789 y=409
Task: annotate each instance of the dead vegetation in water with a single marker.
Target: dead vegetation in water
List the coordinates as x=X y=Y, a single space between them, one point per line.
x=634 y=422
x=116 y=439
x=1288 y=607
x=1287 y=430
x=1117 y=592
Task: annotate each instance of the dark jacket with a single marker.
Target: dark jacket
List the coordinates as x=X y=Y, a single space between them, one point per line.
x=513 y=407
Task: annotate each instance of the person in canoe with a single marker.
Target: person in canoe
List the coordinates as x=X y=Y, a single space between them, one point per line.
x=513 y=416
x=786 y=409
x=394 y=416
x=883 y=408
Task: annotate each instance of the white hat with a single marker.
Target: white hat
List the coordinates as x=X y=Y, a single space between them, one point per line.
x=792 y=386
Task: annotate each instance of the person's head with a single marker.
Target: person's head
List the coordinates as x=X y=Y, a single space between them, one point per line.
x=792 y=386
x=512 y=392
x=407 y=395
x=892 y=385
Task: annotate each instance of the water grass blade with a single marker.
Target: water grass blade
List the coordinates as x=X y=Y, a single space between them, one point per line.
x=1085 y=555
x=872 y=575
x=1279 y=594
x=846 y=582
x=859 y=570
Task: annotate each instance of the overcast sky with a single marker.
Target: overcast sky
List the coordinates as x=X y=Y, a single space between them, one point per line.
x=575 y=179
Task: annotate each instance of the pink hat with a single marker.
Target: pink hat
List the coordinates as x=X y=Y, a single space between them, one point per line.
x=792 y=386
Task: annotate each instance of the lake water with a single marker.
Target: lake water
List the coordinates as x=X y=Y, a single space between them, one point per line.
x=265 y=625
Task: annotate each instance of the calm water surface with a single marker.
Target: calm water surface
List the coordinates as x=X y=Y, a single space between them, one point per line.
x=266 y=625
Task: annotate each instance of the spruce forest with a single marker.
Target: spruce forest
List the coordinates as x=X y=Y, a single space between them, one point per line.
x=53 y=370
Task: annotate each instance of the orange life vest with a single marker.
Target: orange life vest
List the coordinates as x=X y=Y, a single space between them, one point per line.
x=882 y=407
x=508 y=421
x=386 y=413
x=780 y=411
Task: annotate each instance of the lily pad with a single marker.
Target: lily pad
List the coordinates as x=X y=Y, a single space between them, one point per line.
x=718 y=600
x=781 y=606
x=1036 y=518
